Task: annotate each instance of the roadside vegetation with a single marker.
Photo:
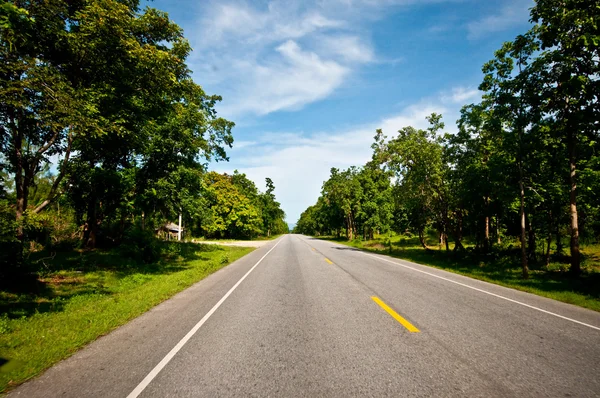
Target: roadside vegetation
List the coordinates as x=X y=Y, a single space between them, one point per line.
x=105 y=140
x=517 y=186
x=81 y=295
x=500 y=266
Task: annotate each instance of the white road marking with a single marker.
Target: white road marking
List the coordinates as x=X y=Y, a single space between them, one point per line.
x=154 y=372
x=481 y=290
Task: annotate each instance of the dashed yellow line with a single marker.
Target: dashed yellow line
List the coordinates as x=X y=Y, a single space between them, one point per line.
x=328 y=260
x=409 y=326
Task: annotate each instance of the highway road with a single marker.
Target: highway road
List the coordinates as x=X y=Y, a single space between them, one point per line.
x=310 y=318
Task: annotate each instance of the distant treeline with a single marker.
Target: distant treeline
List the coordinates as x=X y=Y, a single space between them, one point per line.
x=525 y=162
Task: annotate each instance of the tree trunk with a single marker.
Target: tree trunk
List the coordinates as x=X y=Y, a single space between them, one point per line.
x=349 y=227
x=422 y=239
x=559 y=245
x=54 y=192
x=531 y=242
x=91 y=234
x=575 y=255
x=23 y=179
x=486 y=231
x=458 y=246
x=21 y=191
x=523 y=239
x=548 y=243
x=498 y=237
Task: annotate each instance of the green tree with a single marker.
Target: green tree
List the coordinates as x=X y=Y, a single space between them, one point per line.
x=342 y=193
x=415 y=156
x=104 y=86
x=231 y=215
x=376 y=208
x=271 y=209
x=567 y=72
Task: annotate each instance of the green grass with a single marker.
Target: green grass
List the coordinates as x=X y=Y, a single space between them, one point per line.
x=82 y=296
x=502 y=267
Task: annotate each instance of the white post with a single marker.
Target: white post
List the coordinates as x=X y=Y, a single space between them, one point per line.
x=179 y=231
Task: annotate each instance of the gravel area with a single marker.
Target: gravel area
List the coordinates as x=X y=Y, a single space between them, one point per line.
x=240 y=243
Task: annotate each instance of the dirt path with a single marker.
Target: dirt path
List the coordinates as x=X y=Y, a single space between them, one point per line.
x=240 y=243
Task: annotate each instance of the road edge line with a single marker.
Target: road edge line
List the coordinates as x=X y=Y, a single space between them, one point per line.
x=157 y=369
x=481 y=290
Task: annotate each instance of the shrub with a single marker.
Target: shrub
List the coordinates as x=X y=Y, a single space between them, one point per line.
x=141 y=245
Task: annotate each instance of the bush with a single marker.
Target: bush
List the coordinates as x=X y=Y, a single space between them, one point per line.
x=65 y=234
x=141 y=245
x=10 y=247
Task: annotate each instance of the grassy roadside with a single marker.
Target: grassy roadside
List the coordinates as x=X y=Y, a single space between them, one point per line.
x=86 y=295
x=502 y=268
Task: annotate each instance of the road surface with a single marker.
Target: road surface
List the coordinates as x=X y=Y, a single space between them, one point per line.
x=304 y=317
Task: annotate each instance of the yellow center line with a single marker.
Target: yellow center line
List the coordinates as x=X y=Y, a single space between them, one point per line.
x=409 y=326
x=328 y=260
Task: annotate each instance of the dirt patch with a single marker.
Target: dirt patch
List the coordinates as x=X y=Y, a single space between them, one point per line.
x=375 y=246
x=62 y=279
x=240 y=243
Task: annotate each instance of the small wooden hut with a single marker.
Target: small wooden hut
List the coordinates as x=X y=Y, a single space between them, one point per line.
x=169 y=231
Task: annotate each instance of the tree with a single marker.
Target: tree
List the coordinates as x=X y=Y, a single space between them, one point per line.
x=342 y=193
x=39 y=108
x=567 y=69
x=104 y=86
x=232 y=214
x=271 y=209
x=415 y=156
x=376 y=207
x=508 y=97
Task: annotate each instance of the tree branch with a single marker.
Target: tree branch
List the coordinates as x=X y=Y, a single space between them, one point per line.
x=54 y=190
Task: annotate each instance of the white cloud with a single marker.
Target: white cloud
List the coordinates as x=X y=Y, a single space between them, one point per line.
x=461 y=95
x=289 y=80
x=228 y=23
x=276 y=55
x=513 y=14
x=242 y=144
x=298 y=163
x=349 y=48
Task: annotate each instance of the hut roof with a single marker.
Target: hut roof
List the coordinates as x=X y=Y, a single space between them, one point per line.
x=172 y=227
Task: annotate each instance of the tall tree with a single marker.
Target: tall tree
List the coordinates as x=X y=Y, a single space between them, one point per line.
x=104 y=86
x=416 y=158
x=568 y=70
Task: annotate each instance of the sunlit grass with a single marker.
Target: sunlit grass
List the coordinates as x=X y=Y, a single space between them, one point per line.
x=86 y=295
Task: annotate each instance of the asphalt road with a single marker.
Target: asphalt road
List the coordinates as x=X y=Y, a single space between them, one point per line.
x=309 y=320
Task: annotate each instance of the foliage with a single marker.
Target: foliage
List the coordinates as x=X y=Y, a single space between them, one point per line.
x=236 y=209
x=523 y=163
x=103 y=87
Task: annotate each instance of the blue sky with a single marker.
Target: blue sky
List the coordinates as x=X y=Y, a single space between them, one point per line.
x=308 y=82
